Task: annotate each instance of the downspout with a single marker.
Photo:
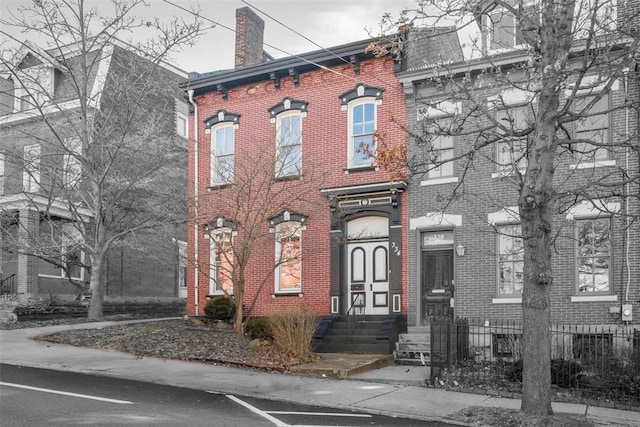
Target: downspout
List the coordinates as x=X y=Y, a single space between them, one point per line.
x=627 y=185
x=196 y=234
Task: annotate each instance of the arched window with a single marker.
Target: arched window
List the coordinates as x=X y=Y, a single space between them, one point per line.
x=361 y=104
x=222 y=127
x=288 y=228
x=288 y=118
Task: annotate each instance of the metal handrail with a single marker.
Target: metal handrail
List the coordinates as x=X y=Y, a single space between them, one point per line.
x=8 y=288
x=352 y=318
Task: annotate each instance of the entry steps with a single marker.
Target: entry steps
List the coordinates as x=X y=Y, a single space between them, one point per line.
x=413 y=348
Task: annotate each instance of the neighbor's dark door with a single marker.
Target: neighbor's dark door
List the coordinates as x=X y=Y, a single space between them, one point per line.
x=437 y=284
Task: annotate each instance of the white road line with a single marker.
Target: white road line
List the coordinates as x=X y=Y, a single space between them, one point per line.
x=65 y=393
x=330 y=414
x=255 y=410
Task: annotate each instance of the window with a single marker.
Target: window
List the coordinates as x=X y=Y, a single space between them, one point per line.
x=1 y=174
x=67 y=252
x=442 y=150
x=222 y=155
x=362 y=126
x=511 y=150
x=593 y=255
x=507 y=345
x=31 y=170
x=182 y=264
x=289 y=144
x=221 y=263
x=71 y=167
x=502 y=30
x=592 y=349
x=510 y=261
x=592 y=130
x=32 y=87
x=182 y=128
x=288 y=257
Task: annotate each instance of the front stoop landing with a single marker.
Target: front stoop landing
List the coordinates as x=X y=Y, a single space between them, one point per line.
x=343 y=365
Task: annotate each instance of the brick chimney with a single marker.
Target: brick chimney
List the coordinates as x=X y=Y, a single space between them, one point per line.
x=249 y=37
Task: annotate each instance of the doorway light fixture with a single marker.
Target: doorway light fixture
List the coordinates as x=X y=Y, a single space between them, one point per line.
x=460 y=249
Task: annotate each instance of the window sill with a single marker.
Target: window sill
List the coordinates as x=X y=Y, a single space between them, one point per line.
x=356 y=169
x=218 y=294
x=218 y=187
x=289 y=177
x=505 y=173
x=451 y=179
x=506 y=301
x=287 y=294
x=594 y=298
x=593 y=165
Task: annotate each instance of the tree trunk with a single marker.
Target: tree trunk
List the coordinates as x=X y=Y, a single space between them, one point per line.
x=96 y=285
x=238 y=294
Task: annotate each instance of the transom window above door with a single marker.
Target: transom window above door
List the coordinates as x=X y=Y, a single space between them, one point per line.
x=368 y=227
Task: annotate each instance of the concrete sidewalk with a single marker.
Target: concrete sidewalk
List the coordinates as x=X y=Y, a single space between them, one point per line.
x=391 y=390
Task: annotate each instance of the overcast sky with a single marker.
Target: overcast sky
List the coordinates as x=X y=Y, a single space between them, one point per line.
x=325 y=22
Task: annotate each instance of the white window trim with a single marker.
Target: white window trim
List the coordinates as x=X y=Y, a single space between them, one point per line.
x=212 y=257
x=2 y=174
x=180 y=116
x=489 y=29
x=588 y=210
x=279 y=119
x=31 y=181
x=214 y=156
x=437 y=181
x=593 y=165
x=507 y=223
x=508 y=215
x=594 y=298
x=350 y=148
x=507 y=300
x=440 y=109
x=435 y=220
x=278 y=248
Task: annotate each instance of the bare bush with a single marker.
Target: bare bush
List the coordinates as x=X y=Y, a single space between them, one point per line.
x=292 y=329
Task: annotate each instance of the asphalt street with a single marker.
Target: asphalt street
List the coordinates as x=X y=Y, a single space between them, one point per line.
x=37 y=397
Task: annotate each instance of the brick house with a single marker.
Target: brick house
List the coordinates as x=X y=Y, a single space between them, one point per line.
x=465 y=252
x=39 y=178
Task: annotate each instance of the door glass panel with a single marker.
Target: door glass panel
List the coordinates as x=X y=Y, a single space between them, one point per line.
x=380 y=269
x=368 y=227
x=357 y=265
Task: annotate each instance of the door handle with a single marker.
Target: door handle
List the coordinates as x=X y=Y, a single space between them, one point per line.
x=371 y=286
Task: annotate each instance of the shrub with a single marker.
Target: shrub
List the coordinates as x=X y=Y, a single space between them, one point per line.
x=220 y=308
x=292 y=329
x=513 y=371
x=565 y=373
x=258 y=328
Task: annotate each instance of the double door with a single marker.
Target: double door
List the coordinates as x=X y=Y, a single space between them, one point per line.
x=368 y=277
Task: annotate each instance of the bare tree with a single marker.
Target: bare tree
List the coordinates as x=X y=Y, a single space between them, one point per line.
x=264 y=205
x=105 y=146
x=562 y=59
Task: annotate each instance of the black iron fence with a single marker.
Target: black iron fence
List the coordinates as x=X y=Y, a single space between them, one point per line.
x=9 y=288
x=587 y=361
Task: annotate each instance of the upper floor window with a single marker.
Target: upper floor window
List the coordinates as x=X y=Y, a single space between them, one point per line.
x=71 y=166
x=31 y=169
x=288 y=117
x=442 y=150
x=503 y=30
x=1 y=174
x=182 y=125
x=593 y=255
x=222 y=128
x=592 y=129
x=511 y=149
x=510 y=261
x=288 y=228
x=361 y=104
x=33 y=87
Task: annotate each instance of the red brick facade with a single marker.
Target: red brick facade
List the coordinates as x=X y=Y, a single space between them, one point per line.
x=324 y=146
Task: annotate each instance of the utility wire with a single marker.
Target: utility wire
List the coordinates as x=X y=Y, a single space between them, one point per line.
x=266 y=44
x=320 y=46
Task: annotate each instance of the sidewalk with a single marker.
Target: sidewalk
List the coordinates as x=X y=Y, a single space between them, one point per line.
x=390 y=390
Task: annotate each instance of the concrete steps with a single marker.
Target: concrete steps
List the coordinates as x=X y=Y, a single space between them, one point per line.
x=413 y=349
x=366 y=335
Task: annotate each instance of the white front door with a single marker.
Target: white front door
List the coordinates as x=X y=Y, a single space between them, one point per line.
x=368 y=277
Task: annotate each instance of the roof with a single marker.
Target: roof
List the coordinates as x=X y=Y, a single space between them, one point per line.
x=429 y=46
x=291 y=65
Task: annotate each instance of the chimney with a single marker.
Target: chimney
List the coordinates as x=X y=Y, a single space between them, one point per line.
x=249 y=37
